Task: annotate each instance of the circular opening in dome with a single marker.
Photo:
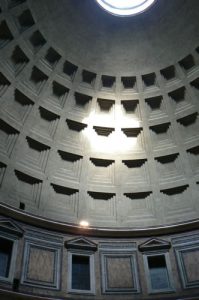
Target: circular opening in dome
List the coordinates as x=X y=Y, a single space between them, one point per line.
x=125 y=7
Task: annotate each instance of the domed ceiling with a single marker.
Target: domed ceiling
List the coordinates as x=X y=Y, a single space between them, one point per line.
x=99 y=114
x=96 y=40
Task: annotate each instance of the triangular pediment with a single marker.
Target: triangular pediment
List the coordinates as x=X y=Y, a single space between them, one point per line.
x=7 y=225
x=154 y=244
x=81 y=243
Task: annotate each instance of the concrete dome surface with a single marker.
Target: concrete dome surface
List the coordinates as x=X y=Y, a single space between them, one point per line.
x=99 y=114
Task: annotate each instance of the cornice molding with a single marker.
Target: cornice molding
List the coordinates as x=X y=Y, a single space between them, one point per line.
x=114 y=232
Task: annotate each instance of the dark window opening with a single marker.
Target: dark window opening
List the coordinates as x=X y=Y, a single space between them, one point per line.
x=158 y=272
x=80 y=272
x=5 y=257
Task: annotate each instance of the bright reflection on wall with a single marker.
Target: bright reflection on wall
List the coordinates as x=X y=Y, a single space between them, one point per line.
x=125 y=7
x=117 y=141
x=84 y=223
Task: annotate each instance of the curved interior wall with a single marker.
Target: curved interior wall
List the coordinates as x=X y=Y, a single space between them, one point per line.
x=120 y=150
x=41 y=265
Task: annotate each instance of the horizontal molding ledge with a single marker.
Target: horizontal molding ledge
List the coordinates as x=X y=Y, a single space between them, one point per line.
x=8 y=295
x=116 y=232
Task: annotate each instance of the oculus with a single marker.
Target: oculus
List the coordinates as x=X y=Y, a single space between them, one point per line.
x=125 y=7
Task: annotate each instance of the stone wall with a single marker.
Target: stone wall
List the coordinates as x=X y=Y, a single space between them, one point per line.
x=42 y=263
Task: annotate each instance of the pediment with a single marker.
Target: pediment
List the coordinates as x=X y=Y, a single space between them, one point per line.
x=81 y=243
x=154 y=244
x=9 y=226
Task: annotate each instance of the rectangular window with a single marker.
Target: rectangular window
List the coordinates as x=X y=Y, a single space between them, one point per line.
x=80 y=272
x=158 y=272
x=5 y=257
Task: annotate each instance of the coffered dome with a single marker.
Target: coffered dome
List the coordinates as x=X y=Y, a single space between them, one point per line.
x=99 y=114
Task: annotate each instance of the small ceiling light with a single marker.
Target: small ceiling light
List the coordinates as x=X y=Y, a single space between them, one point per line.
x=84 y=223
x=125 y=7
